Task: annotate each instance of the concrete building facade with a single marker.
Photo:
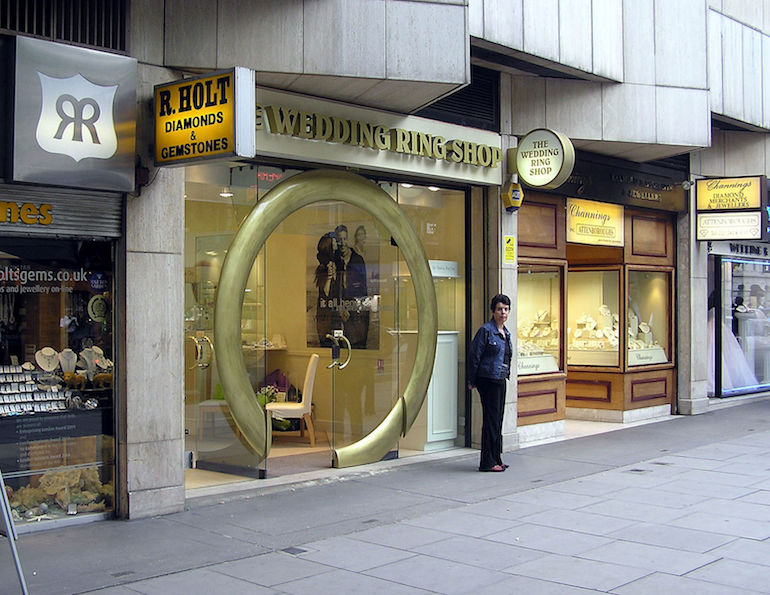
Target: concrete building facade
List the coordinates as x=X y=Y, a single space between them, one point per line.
x=634 y=84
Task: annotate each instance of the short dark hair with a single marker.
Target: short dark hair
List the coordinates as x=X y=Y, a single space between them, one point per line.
x=499 y=298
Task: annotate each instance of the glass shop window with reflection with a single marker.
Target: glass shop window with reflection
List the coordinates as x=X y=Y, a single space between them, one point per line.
x=745 y=358
x=56 y=377
x=539 y=324
x=593 y=323
x=649 y=318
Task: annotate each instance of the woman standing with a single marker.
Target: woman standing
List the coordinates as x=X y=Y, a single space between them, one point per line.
x=489 y=366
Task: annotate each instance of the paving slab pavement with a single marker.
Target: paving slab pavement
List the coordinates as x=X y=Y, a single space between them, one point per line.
x=679 y=506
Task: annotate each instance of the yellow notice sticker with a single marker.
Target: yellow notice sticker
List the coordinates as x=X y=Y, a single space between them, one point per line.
x=509 y=250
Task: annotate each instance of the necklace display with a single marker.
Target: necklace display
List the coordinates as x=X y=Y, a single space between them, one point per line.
x=88 y=357
x=68 y=359
x=47 y=358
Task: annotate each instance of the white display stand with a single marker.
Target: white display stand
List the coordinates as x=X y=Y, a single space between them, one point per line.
x=8 y=530
x=435 y=427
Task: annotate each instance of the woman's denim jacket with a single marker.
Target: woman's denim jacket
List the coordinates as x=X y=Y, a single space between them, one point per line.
x=487 y=354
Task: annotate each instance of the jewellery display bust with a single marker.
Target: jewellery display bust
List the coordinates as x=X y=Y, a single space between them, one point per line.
x=47 y=358
x=68 y=360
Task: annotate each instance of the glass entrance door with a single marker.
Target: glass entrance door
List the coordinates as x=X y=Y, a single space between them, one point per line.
x=331 y=290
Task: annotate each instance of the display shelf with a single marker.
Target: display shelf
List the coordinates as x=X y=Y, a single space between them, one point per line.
x=20 y=393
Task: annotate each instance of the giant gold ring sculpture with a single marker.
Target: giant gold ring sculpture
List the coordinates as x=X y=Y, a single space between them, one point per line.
x=285 y=198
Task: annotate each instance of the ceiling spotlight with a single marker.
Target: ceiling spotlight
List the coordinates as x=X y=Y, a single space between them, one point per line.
x=433 y=188
x=405 y=185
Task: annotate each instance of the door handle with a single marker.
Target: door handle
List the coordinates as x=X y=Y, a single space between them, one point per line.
x=206 y=361
x=201 y=360
x=336 y=351
x=350 y=352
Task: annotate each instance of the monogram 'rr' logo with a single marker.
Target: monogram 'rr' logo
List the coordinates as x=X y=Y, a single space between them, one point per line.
x=76 y=118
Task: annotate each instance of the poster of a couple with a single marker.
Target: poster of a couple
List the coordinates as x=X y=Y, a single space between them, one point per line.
x=340 y=287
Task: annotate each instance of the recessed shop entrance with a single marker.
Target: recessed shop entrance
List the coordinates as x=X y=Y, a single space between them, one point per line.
x=328 y=329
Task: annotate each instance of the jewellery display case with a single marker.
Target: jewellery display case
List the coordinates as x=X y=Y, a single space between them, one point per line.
x=593 y=318
x=539 y=318
x=620 y=321
x=649 y=317
x=57 y=446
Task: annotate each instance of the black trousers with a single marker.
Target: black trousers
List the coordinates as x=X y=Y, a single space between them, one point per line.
x=492 y=394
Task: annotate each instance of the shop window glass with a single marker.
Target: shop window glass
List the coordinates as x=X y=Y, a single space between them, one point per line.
x=539 y=307
x=56 y=377
x=438 y=217
x=649 y=320
x=593 y=322
x=745 y=357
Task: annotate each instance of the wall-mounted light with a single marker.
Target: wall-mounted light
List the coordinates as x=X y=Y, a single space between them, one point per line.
x=226 y=192
x=687 y=184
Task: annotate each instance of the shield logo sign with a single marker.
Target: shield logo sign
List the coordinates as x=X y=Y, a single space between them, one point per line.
x=76 y=118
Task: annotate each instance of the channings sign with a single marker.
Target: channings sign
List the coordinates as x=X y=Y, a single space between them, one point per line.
x=205 y=117
x=731 y=208
x=75 y=116
x=595 y=223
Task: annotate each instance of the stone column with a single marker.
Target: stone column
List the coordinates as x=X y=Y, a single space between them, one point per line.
x=508 y=274
x=152 y=383
x=691 y=313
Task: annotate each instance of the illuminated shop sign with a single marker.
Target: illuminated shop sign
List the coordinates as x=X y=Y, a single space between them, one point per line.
x=544 y=158
x=205 y=117
x=595 y=223
x=731 y=208
x=729 y=226
x=302 y=128
x=729 y=194
x=310 y=125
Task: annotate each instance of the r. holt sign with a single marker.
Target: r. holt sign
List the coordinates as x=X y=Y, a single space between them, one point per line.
x=205 y=117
